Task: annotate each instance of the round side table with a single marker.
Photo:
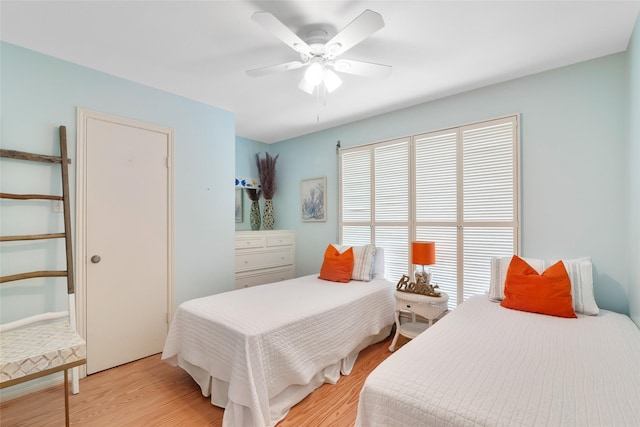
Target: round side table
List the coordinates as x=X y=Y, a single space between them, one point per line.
x=431 y=308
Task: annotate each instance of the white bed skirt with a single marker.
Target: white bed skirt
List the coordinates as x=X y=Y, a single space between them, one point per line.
x=237 y=415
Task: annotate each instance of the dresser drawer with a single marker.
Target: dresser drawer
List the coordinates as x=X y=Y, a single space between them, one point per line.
x=250 y=241
x=244 y=280
x=264 y=256
x=262 y=259
x=280 y=240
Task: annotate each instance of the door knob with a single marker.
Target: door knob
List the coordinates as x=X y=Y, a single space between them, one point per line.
x=95 y=259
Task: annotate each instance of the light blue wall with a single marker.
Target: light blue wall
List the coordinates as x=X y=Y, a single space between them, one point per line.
x=39 y=93
x=574 y=146
x=634 y=174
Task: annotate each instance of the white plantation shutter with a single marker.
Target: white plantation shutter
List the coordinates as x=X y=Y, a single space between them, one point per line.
x=488 y=172
x=436 y=177
x=395 y=241
x=436 y=211
x=392 y=182
x=391 y=224
x=445 y=270
x=457 y=187
x=375 y=200
x=480 y=244
x=489 y=194
x=355 y=185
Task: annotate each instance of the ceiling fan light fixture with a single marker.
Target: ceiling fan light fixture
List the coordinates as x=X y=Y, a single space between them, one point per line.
x=314 y=73
x=331 y=80
x=305 y=86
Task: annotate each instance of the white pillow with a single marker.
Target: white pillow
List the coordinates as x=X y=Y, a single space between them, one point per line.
x=580 y=271
x=363 y=261
x=499 y=267
x=378 y=264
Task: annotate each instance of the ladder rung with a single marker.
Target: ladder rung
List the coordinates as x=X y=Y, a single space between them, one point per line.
x=21 y=155
x=32 y=275
x=32 y=237
x=29 y=196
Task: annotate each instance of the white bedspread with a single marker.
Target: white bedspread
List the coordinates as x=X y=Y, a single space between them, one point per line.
x=485 y=365
x=266 y=347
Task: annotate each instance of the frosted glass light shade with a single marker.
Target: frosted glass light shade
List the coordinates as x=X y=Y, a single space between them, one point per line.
x=314 y=74
x=331 y=81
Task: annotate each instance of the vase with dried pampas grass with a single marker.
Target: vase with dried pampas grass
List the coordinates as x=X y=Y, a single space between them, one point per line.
x=254 y=212
x=267 y=174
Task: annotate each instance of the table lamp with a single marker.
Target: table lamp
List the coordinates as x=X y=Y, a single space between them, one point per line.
x=423 y=254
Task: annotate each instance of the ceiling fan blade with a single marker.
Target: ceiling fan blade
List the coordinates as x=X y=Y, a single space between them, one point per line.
x=361 y=68
x=365 y=24
x=281 y=31
x=263 y=71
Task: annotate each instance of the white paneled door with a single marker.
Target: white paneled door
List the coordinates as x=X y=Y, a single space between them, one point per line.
x=127 y=238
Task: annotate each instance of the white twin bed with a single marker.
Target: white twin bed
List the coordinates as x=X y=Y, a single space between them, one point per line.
x=258 y=351
x=486 y=365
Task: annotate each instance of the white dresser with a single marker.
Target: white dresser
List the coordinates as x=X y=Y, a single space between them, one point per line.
x=264 y=257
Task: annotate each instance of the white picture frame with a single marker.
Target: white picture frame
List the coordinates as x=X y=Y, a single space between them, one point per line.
x=313 y=199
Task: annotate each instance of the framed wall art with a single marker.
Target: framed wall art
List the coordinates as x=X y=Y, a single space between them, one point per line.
x=313 y=199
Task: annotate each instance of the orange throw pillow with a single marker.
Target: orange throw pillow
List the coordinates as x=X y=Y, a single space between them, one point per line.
x=337 y=267
x=546 y=293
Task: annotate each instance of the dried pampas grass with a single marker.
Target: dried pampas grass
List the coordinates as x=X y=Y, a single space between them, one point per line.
x=267 y=174
x=253 y=194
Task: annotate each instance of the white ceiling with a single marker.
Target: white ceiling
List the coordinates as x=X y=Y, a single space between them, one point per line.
x=200 y=50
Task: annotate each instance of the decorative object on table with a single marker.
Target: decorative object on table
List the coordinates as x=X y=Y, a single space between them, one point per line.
x=421 y=287
x=239 y=205
x=422 y=254
x=267 y=173
x=248 y=183
x=313 y=199
x=254 y=211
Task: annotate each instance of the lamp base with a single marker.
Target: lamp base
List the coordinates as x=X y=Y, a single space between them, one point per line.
x=422 y=275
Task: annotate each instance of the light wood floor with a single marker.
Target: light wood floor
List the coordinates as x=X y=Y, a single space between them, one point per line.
x=149 y=392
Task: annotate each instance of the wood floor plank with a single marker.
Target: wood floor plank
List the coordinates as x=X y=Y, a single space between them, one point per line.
x=149 y=392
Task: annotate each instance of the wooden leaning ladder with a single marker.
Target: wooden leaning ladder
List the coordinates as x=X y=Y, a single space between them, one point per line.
x=67 y=340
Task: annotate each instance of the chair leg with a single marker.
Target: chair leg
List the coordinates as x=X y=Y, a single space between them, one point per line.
x=66 y=398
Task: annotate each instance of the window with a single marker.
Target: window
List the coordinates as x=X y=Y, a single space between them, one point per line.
x=457 y=187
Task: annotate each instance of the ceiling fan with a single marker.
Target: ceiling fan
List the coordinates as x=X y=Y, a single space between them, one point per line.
x=319 y=53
